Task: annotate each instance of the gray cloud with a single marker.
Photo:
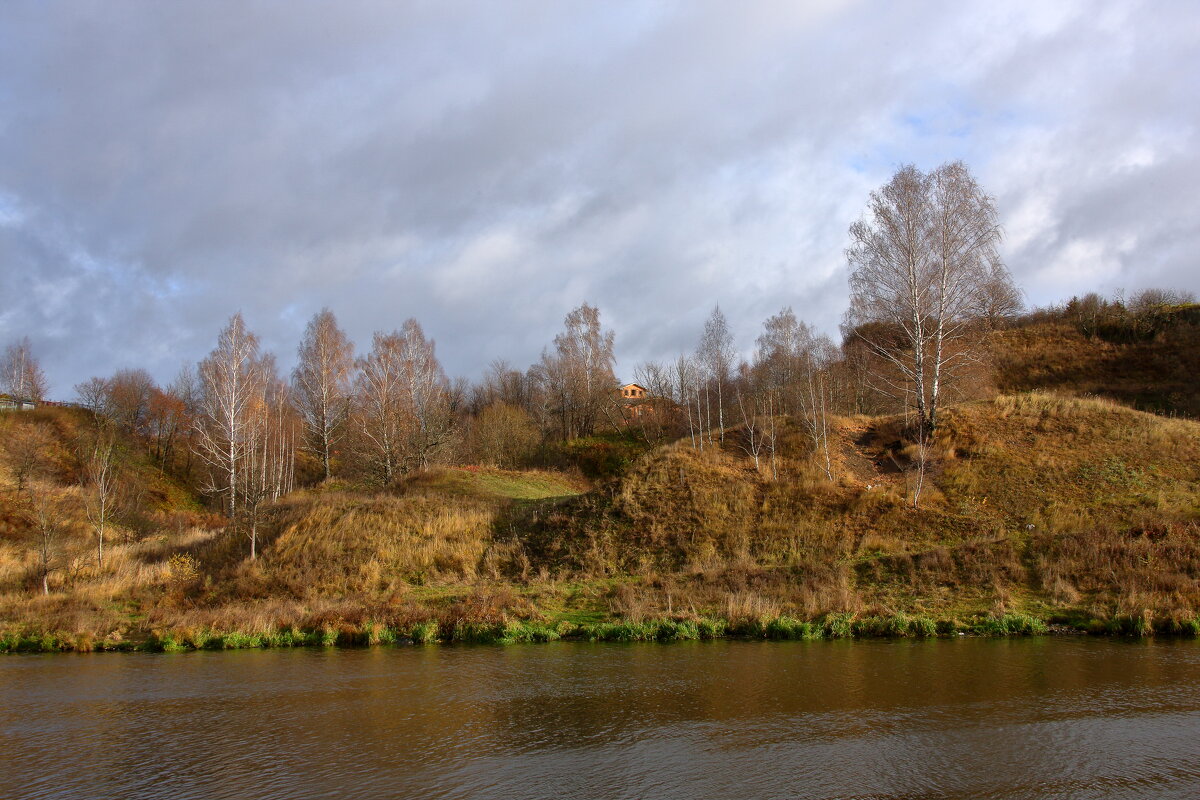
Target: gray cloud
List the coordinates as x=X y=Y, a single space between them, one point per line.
x=487 y=167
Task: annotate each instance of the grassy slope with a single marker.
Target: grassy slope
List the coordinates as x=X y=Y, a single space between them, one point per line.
x=1154 y=371
x=1069 y=509
x=155 y=519
x=1039 y=503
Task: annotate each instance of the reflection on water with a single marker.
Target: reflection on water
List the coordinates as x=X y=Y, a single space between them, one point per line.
x=975 y=718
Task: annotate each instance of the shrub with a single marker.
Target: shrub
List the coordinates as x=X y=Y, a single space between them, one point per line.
x=839 y=626
x=424 y=632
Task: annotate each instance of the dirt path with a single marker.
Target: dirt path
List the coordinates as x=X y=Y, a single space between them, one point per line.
x=866 y=458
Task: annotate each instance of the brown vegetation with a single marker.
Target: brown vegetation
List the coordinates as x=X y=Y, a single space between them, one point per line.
x=1070 y=508
x=1149 y=360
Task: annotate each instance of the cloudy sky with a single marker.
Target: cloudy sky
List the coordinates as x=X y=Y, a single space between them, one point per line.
x=486 y=167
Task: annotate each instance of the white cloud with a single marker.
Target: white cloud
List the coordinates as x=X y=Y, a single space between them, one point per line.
x=485 y=168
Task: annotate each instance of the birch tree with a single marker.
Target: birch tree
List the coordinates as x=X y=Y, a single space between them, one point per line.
x=321 y=385
x=754 y=405
x=819 y=358
x=715 y=355
x=268 y=465
x=919 y=262
x=684 y=388
x=100 y=485
x=379 y=405
x=779 y=356
x=232 y=386
x=577 y=377
x=795 y=365
x=427 y=397
x=20 y=373
x=49 y=528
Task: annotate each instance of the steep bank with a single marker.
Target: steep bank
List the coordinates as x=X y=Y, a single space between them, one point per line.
x=1033 y=509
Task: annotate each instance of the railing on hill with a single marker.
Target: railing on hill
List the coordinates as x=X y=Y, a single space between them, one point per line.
x=10 y=403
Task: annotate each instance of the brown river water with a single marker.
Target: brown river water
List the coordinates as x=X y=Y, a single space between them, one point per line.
x=1068 y=717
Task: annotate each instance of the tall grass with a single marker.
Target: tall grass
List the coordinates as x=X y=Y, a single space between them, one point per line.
x=1049 y=507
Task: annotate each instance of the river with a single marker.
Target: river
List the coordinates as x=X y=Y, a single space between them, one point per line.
x=962 y=718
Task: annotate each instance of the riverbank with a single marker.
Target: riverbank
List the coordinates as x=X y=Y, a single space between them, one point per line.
x=1078 y=514
x=368 y=634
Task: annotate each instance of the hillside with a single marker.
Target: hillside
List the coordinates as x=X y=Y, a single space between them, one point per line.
x=1037 y=503
x=1149 y=361
x=1079 y=512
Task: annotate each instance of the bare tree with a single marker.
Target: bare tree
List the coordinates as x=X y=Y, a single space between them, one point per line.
x=184 y=399
x=503 y=435
x=918 y=263
x=321 y=383
x=577 y=378
x=918 y=466
x=794 y=363
x=816 y=395
x=715 y=355
x=267 y=466
x=1000 y=301
x=128 y=395
x=502 y=384
x=379 y=405
x=754 y=404
x=427 y=395
x=49 y=527
x=654 y=415
x=683 y=386
x=100 y=475
x=93 y=394
x=1152 y=299
x=20 y=374
x=26 y=450
x=232 y=387
x=779 y=357
x=166 y=415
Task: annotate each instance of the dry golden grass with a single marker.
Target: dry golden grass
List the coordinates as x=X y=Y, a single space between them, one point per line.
x=1060 y=506
x=1008 y=479
x=1157 y=373
x=355 y=544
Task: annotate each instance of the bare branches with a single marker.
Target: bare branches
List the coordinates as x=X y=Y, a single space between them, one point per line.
x=232 y=387
x=403 y=405
x=321 y=384
x=379 y=412
x=50 y=524
x=714 y=355
x=270 y=436
x=20 y=374
x=100 y=483
x=793 y=365
x=924 y=270
x=427 y=396
x=577 y=379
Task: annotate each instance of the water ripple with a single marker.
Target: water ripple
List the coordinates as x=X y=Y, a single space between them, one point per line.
x=1079 y=718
